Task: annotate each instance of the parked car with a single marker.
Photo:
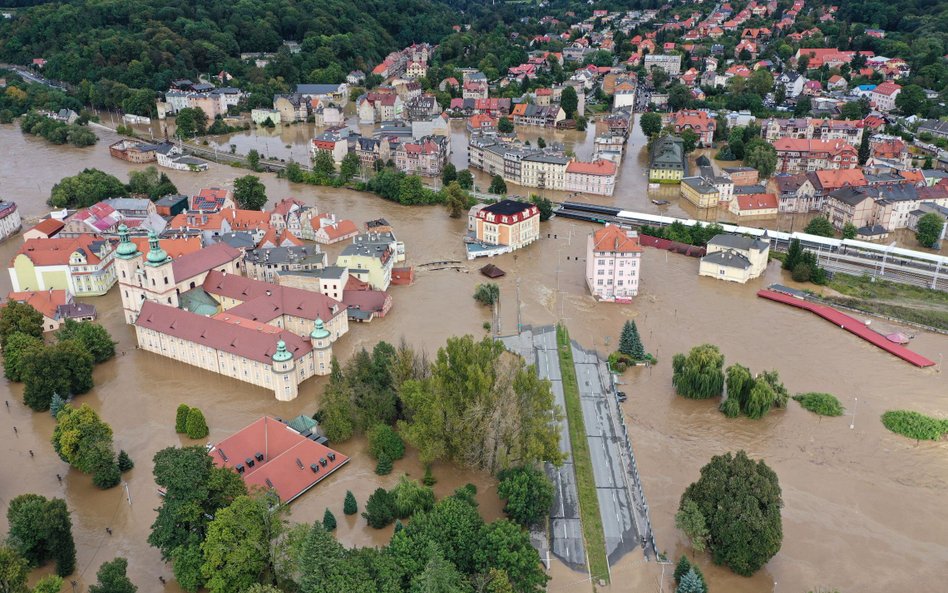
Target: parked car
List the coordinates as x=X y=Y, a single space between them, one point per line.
x=621 y=396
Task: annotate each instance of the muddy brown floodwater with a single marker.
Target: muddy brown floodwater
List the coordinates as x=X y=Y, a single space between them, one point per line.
x=863 y=508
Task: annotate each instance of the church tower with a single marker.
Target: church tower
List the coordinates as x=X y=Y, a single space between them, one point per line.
x=321 y=341
x=128 y=266
x=285 y=385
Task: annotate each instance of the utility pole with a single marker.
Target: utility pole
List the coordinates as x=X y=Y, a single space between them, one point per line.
x=127 y=494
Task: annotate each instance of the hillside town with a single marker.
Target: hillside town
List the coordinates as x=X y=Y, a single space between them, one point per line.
x=430 y=274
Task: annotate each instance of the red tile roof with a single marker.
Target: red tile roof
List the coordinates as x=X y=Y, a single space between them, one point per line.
x=342 y=228
x=287 y=462
x=600 y=167
x=264 y=302
x=887 y=89
x=756 y=201
x=612 y=238
x=49 y=227
x=193 y=264
x=245 y=340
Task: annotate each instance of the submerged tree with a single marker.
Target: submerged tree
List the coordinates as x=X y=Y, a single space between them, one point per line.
x=699 y=375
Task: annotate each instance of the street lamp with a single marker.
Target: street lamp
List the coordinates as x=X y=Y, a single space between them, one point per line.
x=852 y=424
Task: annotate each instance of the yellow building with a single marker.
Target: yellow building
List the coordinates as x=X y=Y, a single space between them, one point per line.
x=700 y=192
x=371 y=257
x=667 y=161
x=80 y=265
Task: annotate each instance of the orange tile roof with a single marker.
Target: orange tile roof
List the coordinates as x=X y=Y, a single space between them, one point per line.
x=600 y=167
x=44 y=301
x=612 y=238
x=912 y=175
x=340 y=229
x=56 y=252
x=837 y=178
x=245 y=219
x=173 y=247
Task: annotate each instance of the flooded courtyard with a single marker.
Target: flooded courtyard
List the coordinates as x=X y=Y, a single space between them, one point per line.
x=862 y=507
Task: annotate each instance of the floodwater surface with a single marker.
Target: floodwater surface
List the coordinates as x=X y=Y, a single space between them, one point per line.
x=863 y=508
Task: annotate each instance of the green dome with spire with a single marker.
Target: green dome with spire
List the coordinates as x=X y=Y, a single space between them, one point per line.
x=126 y=249
x=319 y=330
x=156 y=255
x=281 y=355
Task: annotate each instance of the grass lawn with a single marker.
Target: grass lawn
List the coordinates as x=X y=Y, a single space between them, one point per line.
x=582 y=463
x=900 y=301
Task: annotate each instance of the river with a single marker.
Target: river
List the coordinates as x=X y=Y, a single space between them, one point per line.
x=862 y=507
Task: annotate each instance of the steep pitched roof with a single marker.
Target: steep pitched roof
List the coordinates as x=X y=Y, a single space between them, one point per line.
x=203 y=260
x=613 y=239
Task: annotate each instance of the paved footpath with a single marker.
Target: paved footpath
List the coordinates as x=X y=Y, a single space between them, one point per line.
x=566 y=533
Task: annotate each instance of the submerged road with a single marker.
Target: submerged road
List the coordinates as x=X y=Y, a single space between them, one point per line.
x=566 y=533
x=606 y=447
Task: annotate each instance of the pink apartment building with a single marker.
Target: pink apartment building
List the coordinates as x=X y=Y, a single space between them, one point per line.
x=613 y=263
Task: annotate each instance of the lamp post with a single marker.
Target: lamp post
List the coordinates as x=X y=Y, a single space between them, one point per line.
x=852 y=423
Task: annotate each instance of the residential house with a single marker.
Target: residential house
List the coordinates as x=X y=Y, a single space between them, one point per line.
x=794 y=192
x=762 y=205
x=667 y=162
x=797 y=156
x=700 y=191
x=56 y=307
x=426 y=157
x=266 y=263
x=328 y=93
x=742 y=176
x=45 y=229
x=335 y=231
x=700 y=122
x=613 y=264
x=734 y=258
x=508 y=223
x=370 y=258
x=81 y=265
x=597 y=177
x=884 y=95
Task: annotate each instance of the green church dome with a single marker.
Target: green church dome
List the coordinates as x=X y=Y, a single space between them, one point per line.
x=281 y=355
x=319 y=330
x=126 y=248
x=156 y=255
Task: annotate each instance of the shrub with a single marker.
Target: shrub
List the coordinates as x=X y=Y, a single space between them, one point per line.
x=196 y=426
x=379 y=509
x=350 y=506
x=181 y=419
x=106 y=473
x=125 y=462
x=914 y=425
x=528 y=492
x=823 y=404
x=384 y=441
x=410 y=497
x=487 y=294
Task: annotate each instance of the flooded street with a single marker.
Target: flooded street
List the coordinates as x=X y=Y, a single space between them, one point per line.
x=863 y=507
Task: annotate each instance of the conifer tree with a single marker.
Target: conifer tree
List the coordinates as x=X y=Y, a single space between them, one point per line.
x=630 y=343
x=196 y=426
x=350 y=506
x=181 y=419
x=690 y=583
x=329 y=520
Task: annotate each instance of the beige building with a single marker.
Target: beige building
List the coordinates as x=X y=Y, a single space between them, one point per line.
x=734 y=258
x=199 y=310
x=508 y=222
x=371 y=258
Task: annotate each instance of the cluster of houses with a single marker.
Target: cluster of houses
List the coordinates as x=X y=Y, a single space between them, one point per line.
x=186 y=94
x=164 y=153
x=410 y=63
x=542 y=168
